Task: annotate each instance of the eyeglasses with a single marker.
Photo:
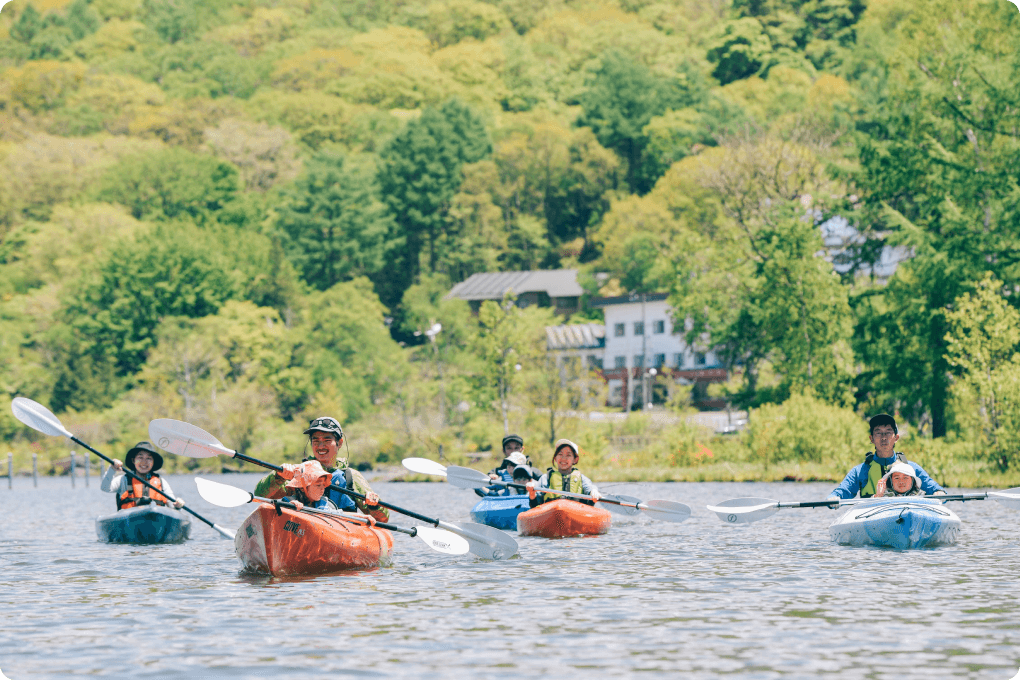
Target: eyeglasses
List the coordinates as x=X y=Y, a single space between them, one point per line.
x=883 y=435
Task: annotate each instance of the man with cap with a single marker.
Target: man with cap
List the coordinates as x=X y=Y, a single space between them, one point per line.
x=144 y=461
x=325 y=438
x=564 y=476
x=864 y=478
x=512 y=443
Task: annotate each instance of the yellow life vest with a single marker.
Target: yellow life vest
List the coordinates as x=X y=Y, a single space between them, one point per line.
x=876 y=471
x=556 y=482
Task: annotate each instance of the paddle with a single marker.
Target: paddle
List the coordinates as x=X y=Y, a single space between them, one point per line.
x=185 y=439
x=424 y=466
x=38 y=417
x=666 y=511
x=227 y=496
x=747 y=510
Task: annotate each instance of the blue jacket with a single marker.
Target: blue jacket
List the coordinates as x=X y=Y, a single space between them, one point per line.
x=496 y=489
x=857 y=479
x=340 y=500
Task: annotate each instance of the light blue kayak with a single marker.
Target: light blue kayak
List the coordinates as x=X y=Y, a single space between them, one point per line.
x=144 y=524
x=500 y=511
x=903 y=523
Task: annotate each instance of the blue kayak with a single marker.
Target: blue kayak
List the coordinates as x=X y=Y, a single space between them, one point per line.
x=500 y=511
x=903 y=522
x=144 y=524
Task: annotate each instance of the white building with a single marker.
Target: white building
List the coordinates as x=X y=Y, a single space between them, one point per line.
x=640 y=336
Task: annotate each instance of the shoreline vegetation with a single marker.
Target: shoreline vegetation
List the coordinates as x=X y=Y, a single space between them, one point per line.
x=247 y=214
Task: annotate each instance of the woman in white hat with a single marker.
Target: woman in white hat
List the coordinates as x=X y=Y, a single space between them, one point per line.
x=563 y=476
x=901 y=480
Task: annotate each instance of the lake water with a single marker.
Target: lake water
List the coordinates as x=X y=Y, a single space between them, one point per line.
x=700 y=599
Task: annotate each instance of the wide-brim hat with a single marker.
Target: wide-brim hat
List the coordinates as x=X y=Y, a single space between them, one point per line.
x=560 y=443
x=129 y=459
x=516 y=458
x=903 y=468
x=306 y=473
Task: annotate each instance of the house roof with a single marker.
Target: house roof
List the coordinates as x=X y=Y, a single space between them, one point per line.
x=626 y=299
x=576 y=336
x=494 y=285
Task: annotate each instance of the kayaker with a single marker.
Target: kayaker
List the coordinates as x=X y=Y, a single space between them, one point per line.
x=901 y=480
x=563 y=476
x=308 y=487
x=145 y=461
x=325 y=437
x=863 y=479
x=512 y=443
x=512 y=462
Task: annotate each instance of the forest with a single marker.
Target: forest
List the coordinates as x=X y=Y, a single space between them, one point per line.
x=247 y=213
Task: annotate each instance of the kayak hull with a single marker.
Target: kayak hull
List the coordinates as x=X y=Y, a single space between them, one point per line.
x=284 y=542
x=144 y=525
x=563 y=518
x=901 y=523
x=500 y=511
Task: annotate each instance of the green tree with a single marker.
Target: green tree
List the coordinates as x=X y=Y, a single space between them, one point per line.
x=943 y=117
x=621 y=97
x=336 y=226
x=419 y=174
x=29 y=23
x=82 y=20
x=171 y=271
x=170 y=184
x=739 y=49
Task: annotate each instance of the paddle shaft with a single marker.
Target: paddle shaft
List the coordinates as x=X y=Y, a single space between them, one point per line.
x=855 y=501
x=569 y=494
x=135 y=476
x=354 y=494
x=354 y=518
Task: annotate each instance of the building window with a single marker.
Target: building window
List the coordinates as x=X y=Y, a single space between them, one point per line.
x=659 y=326
x=678 y=360
x=639 y=328
x=594 y=362
x=619 y=331
x=620 y=362
x=660 y=360
x=699 y=358
x=639 y=361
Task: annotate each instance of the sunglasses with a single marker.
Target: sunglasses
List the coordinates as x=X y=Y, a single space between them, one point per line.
x=331 y=423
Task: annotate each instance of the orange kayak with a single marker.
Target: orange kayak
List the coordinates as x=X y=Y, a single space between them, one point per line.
x=561 y=518
x=288 y=542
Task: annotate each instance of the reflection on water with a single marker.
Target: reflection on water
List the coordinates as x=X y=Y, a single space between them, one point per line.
x=704 y=599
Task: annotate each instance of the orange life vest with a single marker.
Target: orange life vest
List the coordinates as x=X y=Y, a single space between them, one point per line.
x=137 y=491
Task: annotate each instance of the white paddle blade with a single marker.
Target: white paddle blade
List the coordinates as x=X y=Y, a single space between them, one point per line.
x=185 y=439
x=223 y=495
x=745 y=510
x=485 y=542
x=466 y=478
x=226 y=533
x=1008 y=497
x=443 y=541
x=424 y=466
x=38 y=417
x=621 y=509
x=667 y=511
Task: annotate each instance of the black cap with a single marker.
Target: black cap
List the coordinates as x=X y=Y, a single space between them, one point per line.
x=883 y=419
x=512 y=438
x=326 y=424
x=129 y=459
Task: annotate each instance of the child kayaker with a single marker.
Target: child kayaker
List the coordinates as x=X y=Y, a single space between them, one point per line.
x=145 y=461
x=901 y=480
x=563 y=476
x=512 y=462
x=308 y=487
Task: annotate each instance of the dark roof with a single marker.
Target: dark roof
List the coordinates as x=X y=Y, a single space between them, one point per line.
x=626 y=299
x=576 y=336
x=494 y=285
